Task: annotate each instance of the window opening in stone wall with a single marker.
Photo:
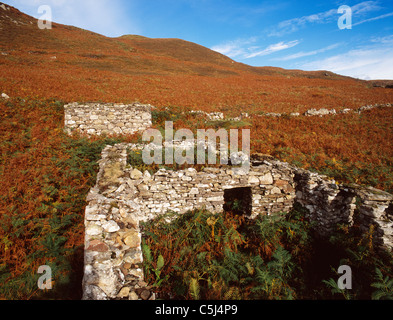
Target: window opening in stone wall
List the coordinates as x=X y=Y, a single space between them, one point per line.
x=238 y=201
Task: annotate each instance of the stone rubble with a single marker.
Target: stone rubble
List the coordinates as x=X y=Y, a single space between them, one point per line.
x=219 y=116
x=320 y=112
x=324 y=112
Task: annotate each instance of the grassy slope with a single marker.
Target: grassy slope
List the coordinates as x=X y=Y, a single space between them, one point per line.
x=162 y=72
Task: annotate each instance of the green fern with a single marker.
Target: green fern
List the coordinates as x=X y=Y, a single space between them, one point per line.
x=281 y=263
x=232 y=293
x=160 y=263
x=272 y=277
x=194 y=289
x=384 y=286
x=214 y=256
x=333 y=285
x=230 y=266
x=147 y=253
x=148 y=266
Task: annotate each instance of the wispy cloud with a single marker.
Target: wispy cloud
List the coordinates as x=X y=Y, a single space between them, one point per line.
x=373 y=62
x=383 y=40
x=273 y=48
x=374 y=19
x=307 y=54
x=236 y=48
x=365 y=7
x=295 y=24
x=246 y=48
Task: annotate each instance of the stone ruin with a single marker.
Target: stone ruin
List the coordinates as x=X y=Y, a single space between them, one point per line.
x=123 y=197
x=99 y=119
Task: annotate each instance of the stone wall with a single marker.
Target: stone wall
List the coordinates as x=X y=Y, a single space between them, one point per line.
x=98 y=119
x=219 y=116
x=330 y=204
x=270 y=190
x=123 y=197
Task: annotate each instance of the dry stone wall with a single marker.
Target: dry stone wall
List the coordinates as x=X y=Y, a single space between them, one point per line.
x=330 y=204
x=219 y=116
x=124 y=196
x=98 y=119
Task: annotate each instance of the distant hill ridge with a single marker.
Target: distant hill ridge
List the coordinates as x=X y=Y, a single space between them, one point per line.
x=19 y=28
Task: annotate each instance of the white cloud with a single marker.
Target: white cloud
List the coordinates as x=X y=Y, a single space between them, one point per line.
x=293 y=25
x=246 y=48
x=374 y=19
x=364 y=63
x=235 y=48
x=365 y=7
x=307 y=54
x=383 y=40
x=273 y=48
x=102 y=16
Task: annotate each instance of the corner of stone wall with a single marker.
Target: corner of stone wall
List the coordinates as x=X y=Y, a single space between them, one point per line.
x=113 y=256
x=123 y=197
x=330 y=204
x=375 y=209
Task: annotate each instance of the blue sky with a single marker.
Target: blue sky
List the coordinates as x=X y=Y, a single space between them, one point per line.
x=289 y=34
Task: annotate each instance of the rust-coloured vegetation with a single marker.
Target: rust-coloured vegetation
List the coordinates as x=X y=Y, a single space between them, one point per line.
x=45 y=175
x=223 y=256
x=77 y=65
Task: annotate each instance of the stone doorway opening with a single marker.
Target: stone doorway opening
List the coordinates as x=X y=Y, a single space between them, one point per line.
x=238 y=201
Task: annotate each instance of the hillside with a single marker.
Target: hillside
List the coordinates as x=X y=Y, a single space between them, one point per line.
x=74 y=64
x=45 y=175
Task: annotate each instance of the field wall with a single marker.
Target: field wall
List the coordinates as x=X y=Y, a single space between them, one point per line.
x=99 y=119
